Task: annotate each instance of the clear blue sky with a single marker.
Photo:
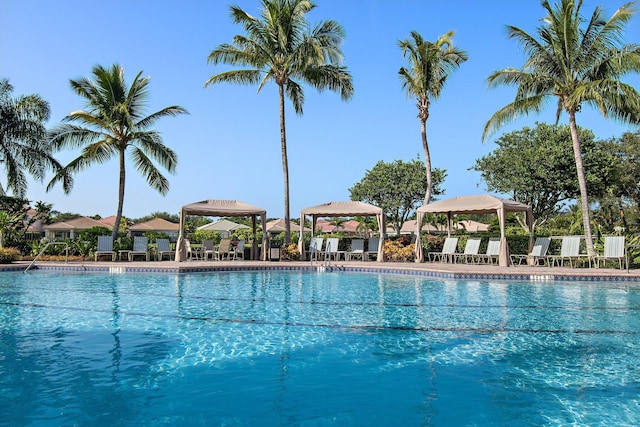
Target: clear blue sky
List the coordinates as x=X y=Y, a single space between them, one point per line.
x=229 y=145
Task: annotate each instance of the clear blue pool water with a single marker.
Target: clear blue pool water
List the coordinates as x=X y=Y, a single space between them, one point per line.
x=336 y=349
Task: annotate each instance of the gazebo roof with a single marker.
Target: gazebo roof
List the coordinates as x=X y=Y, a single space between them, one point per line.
x=222 y=208
x=479 y=204
x=343 y=209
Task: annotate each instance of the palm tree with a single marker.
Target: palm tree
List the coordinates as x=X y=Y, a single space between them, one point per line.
x=430 y=65
x=337 y=222
x=112 y=123
x=280 y=47
x=576 y=65
x=23 y=148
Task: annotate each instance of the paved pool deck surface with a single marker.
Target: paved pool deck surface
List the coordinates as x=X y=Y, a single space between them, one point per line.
x=429 y=269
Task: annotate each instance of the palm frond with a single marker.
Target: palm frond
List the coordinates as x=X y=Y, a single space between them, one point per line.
x=331 y=77
x=151 y=143
x=511 y=112
x=147 y=169
x=295 y=93
x=151 y=119
x=236 y=77
x=71 y=136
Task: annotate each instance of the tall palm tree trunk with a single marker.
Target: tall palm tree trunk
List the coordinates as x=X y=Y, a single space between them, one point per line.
x=285 y=168
x=427 y=160
x=577 y=152
x=116 y=226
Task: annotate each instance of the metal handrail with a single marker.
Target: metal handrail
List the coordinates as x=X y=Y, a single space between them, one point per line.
x=327 y=251
x=66 y=255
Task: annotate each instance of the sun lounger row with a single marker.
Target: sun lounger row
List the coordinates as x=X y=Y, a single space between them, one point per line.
x=140 y=249
x=226 y=250
x=471 y=251
x=570 y=254
x=318 y=250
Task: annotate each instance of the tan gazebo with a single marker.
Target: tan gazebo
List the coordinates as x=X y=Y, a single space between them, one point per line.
x=222 y=208
x=333 y=209
x=480 y=204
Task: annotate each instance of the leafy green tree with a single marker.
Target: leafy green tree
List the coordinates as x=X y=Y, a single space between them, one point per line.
x=8 y=222
x=430 y=65
x=280 y=47
x=64 y=216
x=397 y=187
x=113 y=123
x=577 y=65
x=23 y=147
x=627 y=150
x=164 y=215
x=535 y=166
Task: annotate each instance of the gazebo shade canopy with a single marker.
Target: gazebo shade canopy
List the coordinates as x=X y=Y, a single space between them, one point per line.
x=350 y=208
x=480 y=204
x=221 y=208
x=343 y=209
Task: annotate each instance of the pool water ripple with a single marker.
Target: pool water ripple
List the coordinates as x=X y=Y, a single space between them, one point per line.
x=291 y=348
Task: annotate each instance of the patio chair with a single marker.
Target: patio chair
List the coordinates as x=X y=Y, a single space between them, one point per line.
x=105 y=247
x=192 y=253
x=470 y=253
x=224 y=250
x=331 y=250
x=315 y=247
x=372 y=248
x=238 y=250
x=140 y=248
x=208 y=250
x=448 y=250
x=538 y=253
x=614 y=249
x=356 y=250
x=569 y=251
x=492 y=254
x=163 y=248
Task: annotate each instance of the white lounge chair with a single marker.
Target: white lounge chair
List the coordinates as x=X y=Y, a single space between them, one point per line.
x=208 y=250
x=163 y=248
x=538 y=253
x=448 y=250
x=140 y=248
x=470 y=253
x=238 y=250
x=569 y=251
x=331 y=250
x=315 y=247
x=356 y=250
x=614 y=249
x=492 y=253
x=372 y=248
x=105 y=247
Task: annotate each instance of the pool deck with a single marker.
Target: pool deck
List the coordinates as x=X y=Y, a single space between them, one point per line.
x=430 y=269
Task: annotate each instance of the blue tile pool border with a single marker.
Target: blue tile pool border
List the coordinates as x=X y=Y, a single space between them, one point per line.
x=539 y=277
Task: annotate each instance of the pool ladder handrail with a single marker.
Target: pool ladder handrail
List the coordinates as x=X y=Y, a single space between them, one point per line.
x=66 y=253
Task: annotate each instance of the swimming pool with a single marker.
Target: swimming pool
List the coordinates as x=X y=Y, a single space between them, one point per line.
x=297 y=348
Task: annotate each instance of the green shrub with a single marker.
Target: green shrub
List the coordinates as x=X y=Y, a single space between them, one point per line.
x=200 y=235
x=9 y=255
